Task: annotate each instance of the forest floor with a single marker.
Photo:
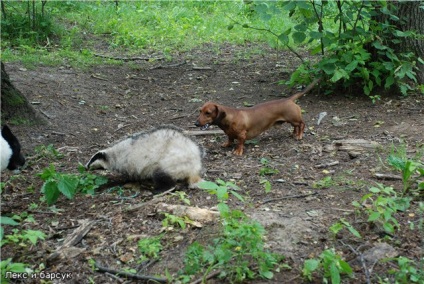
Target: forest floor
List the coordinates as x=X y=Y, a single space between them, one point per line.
x=88 y=109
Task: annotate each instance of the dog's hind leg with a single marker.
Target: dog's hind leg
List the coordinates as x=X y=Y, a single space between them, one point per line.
x=298 y=130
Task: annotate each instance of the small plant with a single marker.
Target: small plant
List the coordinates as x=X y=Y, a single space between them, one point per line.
x=48 y=152
x=8 y=266
x=264 y=171
x=267 y=169
x=408 y=168
x=23 y=237
x=68 y=184
x=222 y=190
x=149 y=248
x=326 y=182
x=381 y=204
x=182 y=196
x=341 y=224
x=233 y=253
x=407 y=271
x=331 y=266
x=171 y=219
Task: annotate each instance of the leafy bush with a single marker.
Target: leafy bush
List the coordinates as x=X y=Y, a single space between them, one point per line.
x=25 y=24
x=331 y=266
x=149 y=248
x=239 y=245
x=356 y=46
x=233 y=253
x=382 y=205
x=68 y=184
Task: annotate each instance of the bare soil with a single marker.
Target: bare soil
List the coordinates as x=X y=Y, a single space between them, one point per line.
x=89 y=109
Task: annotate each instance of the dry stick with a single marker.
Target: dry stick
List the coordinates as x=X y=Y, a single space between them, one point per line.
x=388 y=176
x=329 y=164
x=129 y=58
x=361 y=257
x=288 y=197
x=114 y=277
x=156 y=198
x=209 y=276
x=130 y=275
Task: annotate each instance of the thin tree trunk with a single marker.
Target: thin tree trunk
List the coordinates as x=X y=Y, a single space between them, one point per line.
x=412 y=19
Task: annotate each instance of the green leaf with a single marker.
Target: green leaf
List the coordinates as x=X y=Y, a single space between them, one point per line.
x=283 y=38
x=354 y=231
x=351 y=66
x=373 y=216
x=345 y=267
x=389 y=81
x=223 y=208
x=208 y=185
x=335 y=274
x=68 y=185
x=237 y=195
x=267 y=274
x=329 y=68
x=315 y=35
x=4 y=220
x=298 y=37
x=301 y=27
x=375 y=190
x=388 y=227
x=311 y=264
x=34 y=236
x=222 y=193
x=339 y=74
x=51 y=192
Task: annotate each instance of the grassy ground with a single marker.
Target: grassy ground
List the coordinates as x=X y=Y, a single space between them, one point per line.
x=70 y=31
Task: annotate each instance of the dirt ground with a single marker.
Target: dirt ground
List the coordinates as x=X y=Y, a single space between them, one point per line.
x=87 y=110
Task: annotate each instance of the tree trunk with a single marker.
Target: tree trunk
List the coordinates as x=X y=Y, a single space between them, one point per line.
x=412 y=19
x=14 y=106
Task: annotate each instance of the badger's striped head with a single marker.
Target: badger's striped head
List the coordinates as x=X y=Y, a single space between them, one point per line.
x=98 y=161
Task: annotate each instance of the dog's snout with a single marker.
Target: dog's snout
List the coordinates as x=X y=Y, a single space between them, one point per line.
x=197 y=123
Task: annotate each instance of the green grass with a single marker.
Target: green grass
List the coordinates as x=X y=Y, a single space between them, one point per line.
x=134 y=27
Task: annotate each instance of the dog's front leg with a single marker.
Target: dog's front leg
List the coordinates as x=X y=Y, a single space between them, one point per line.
x=228 y=143
x=239 y=148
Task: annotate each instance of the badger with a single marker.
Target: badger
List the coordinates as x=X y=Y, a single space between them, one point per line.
x=163 y=154
x=11 y=157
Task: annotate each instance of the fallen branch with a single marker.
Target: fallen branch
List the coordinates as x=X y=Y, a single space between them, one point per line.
x=209 y=276
x=201 y=68
x=325 y=165
x=193 y=213
x=67 y=249
x=169 y=66
x=129 y=58
x=129 y=275
x=361 y=259
x=387 y=176
x=203 y=132
x=156 y=199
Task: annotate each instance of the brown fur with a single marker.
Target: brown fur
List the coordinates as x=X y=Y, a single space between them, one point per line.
x=247 y=123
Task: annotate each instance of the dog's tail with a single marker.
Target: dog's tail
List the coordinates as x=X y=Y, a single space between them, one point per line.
x=304 y=91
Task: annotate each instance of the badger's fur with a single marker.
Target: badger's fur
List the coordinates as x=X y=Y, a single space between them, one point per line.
x=163 y=154
x=11 y=157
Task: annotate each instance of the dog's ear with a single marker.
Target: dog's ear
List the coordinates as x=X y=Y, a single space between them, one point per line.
x=220 y=114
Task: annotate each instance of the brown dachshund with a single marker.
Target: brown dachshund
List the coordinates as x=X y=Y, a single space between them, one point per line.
x=247 y=123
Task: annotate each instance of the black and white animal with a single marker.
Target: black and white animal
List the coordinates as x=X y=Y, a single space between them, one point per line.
x=164 y=155
x=11 y=157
